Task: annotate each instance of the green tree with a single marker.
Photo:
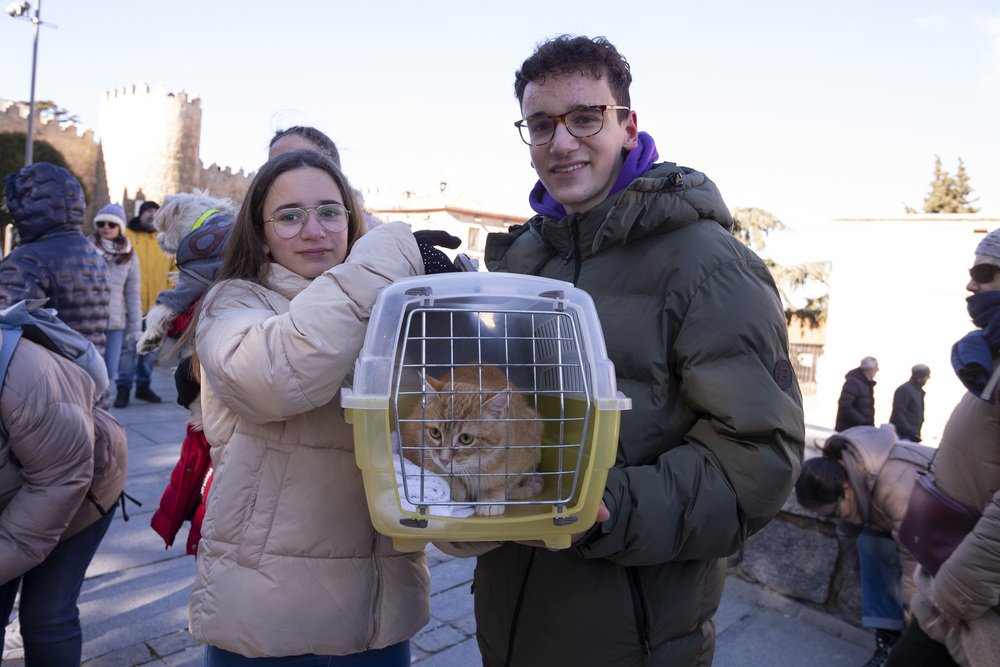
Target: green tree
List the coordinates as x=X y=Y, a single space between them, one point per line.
x=12 y=159
x=947 y=194
x=796 y=284
x=50 y=108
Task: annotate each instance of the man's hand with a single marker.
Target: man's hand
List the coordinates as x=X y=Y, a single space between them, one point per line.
x=602 y=515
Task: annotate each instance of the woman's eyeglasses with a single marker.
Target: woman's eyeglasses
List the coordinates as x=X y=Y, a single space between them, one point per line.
x=101 y=224
x=983 y=273
x=288 y=222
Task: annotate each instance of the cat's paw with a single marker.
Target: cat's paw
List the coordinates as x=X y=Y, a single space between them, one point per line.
x=489 y=510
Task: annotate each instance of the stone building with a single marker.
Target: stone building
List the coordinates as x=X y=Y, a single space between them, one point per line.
x=441 y=208
x=897 y=293
x=148 y=148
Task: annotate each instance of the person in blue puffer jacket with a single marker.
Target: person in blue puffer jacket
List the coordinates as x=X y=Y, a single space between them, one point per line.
x=55 y=261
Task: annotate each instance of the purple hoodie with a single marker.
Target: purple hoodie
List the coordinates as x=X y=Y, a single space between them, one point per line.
x=637 y=162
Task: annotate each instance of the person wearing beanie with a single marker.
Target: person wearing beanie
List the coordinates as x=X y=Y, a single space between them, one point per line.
x=956 y=617
x=125 y=319
x=908 y=404
x=55 y=261
x=154 y=269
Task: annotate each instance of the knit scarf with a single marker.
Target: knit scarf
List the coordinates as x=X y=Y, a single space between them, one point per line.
x=114 y=251
x=972 y=356
x=637 y=162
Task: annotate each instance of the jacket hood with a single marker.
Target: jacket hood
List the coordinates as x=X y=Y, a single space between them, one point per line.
x=663 y=199
x=867 y=451
x=44 y=198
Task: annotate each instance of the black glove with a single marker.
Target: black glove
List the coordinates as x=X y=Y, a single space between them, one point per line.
x=436 y=261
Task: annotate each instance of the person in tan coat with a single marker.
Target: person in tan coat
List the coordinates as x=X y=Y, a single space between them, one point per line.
x=289 y=563
x=62 y=469
x=957 y=611
x=863 y=481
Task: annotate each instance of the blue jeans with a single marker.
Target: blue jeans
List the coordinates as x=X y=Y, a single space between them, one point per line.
x=50 y=619
x=113 y=351
x=135 y=366
x=881 y=581
x=397 y=655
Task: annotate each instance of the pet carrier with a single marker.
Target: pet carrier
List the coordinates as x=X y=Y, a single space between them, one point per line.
x=484 y=408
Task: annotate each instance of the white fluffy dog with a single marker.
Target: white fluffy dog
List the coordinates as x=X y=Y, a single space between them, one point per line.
x=194 y=228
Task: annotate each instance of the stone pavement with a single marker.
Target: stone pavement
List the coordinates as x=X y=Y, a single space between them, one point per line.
x=134 y=600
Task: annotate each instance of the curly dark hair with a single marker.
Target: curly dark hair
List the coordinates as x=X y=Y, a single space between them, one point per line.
x=569 y=54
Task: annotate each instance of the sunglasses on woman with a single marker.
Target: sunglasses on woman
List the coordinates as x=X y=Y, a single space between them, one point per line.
x=101 y=224
x=983 y=273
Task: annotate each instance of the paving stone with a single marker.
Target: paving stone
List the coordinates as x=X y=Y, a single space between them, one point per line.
x=189 y=657
x=439 y=639
x=173 y=643
x=451 y=604
x=137 y=654
x=465 y=654
x=452 y=573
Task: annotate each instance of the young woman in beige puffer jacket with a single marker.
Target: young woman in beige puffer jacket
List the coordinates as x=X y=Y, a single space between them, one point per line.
x=289 y=563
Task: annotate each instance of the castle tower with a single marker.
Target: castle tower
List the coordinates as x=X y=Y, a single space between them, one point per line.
x=149 y=139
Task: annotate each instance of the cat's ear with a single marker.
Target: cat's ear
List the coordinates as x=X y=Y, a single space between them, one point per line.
x=431 y=386
x=496 y=407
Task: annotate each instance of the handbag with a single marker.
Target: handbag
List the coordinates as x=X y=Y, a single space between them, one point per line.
x=934 y=524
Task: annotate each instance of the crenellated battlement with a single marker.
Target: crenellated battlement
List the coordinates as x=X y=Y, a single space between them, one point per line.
x=159 y=92
x=14 y=118
x=148 y=147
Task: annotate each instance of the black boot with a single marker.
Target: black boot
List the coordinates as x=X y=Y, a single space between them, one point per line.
x=145 y=393
x=121 y=400
x=884 y=639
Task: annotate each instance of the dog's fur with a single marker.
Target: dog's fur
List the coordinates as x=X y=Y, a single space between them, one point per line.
x=174 y=221
x=179 y=212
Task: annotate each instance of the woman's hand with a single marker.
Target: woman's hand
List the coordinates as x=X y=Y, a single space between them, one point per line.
x=436 y=261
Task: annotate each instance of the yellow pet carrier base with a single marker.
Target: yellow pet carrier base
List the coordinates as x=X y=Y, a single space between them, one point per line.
x=545 y=339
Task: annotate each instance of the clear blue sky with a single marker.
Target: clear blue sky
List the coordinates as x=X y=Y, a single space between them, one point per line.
x=812 y=111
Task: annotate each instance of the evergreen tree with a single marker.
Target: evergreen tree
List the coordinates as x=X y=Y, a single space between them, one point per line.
x=962 y=190
x=949 y=195
x=752 y=227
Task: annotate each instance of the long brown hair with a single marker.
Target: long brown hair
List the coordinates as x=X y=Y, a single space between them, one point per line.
x=245 y=257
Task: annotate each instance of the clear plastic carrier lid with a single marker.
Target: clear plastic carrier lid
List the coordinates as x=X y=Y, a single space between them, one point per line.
x=477 y=310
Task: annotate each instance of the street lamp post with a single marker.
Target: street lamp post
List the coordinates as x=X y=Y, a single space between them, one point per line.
x=17 y=10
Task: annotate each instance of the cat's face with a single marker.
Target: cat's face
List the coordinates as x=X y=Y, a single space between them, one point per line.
x=462 y=432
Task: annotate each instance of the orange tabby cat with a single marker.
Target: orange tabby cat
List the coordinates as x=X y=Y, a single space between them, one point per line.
x=476 y=429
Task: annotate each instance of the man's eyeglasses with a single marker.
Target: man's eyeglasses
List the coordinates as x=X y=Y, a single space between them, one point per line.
x=101 y=224
x=581 y=122
x=983 y=273
x=288 y=222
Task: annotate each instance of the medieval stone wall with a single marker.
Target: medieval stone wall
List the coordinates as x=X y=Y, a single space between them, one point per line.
x=148 y=148
x=77 y=145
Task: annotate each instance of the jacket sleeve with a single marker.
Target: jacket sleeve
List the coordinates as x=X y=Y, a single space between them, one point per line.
x=901 y=413
x=133 y=300
x=268 y=367
x=23 y=275
x=968 y=583
x=52 y=438
x=736 y=464
x=847 y=404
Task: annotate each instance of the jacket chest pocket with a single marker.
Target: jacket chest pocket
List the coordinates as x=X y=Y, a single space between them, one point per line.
x=262 y=507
